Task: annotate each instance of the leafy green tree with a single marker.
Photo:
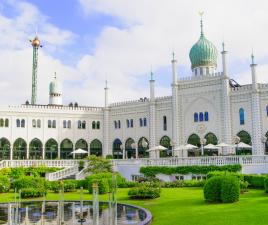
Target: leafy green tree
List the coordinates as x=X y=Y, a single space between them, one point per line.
x=99 y=165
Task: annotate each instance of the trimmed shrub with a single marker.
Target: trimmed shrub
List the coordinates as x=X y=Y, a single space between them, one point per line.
x=255 y=181
x=230 y=189
x=212 y=189
x=144 y=192
x=225 y=173
x=151 y=171
x=30 y=182
x=33 y=192
x=243 y=186
x=183 y=183
x=4 y=184
x=266 y=184
x=68 y=185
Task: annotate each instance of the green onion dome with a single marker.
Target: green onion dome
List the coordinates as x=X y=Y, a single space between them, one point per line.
x=55 y=86
x=203 y=52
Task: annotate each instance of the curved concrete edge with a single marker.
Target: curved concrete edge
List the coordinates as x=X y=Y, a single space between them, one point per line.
x=147 y=220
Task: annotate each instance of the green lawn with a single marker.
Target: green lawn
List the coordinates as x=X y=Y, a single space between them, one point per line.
x=185 y=206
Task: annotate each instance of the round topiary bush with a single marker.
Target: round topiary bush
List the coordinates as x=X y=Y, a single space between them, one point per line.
x=144 y=192
x=230 y=189
x=4 y=184
x=212 y=189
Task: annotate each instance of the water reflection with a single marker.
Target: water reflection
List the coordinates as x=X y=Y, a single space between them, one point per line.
x=72 y=213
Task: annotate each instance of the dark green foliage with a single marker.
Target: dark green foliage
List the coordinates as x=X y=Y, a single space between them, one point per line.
x=68 y=185
x=104 y=181
x=99 y=165
x=243 y=186
x=144 y=191
x=266 y=184
x=30 y=182
x=230 y=189
x=33 y=192
x=212 y=189
x=222 y=189
x=183 y=183
x=109 y=157
x=153 y=170
x=222 y=173
x=4 y=184
x=255 y=181
x=18 y=172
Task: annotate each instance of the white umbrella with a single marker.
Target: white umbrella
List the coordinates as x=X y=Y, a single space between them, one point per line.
x=190 y=146
x=243 y=145
x=179 y=148
x=79 y=151
x=222 y=145
x=210 y=146
x=157 y=148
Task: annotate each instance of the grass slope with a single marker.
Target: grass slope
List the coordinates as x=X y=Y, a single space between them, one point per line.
x=185 y=206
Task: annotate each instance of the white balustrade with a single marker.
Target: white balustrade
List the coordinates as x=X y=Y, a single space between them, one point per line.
x=61 y=174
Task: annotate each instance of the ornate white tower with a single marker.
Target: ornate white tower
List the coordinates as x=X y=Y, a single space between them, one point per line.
x=226 y=109
x=106 y=123
x=55 y=92
x=257 y=146
x=152 y=120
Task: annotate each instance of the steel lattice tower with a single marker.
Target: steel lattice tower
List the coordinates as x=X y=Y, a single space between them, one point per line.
x=36 y=44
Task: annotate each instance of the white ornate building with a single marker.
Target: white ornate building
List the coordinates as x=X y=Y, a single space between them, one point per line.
x=205 y=107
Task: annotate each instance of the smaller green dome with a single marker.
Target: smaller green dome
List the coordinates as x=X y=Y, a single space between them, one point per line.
x=203 y=52
x=55 y=86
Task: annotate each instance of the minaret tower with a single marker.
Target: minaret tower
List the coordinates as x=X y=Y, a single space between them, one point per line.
x=152 y=120
x=257 y=146
x=106 y=121
x=55 y=92
x=36 y=44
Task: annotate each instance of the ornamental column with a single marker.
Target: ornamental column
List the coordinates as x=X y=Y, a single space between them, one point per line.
x=106 y=123
x=226 y=106
x=152 y=120
x=257 y=146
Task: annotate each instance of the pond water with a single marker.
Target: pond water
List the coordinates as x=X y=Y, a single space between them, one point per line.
x=68 y=212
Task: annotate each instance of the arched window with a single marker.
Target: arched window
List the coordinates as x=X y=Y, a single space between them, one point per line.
x=84 y=124
x=64 y=124
x=79 y=125
x=22 y=123
x=195 y=72
x=206 y=116
x=128 y=124
x=49 y=124
x=144 y=122
x=54 y=124
x=119 y=124
x=201 y=71
x=267 y=110
x=93 y=125
x=115 y=124
x=18 y=122
x=201 y=117
x=6 y=122
x=164 y=123
x=69 y=124
x=195 y=117
x=141 y=123
x=207 y=70
x=1 y=122
x=39 y=123
x=242 y=116
x=131 y=123
x=98 y=125
x=34 y=123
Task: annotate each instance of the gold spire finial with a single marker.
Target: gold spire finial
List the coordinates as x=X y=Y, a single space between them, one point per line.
x=201 y=13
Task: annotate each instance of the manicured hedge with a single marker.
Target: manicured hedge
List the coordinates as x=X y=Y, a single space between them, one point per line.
x=30 y=182
x=4 y=184
x=222 y=189
x=144 y=192
x=222 y=173
x=104 y=181
x=255 y=181
x=33 y=192
x=68 y=185
x=230 y=189
x=183 y=183
x=266 y=184
x=154 y=170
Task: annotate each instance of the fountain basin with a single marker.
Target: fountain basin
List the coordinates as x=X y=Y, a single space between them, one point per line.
x=71 y=212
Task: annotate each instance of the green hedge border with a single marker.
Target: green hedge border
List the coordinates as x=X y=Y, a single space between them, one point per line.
x=151 y=171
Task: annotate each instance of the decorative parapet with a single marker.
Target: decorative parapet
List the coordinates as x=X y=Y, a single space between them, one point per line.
x=56 y=107
x=131 y=102
x=247 y=87
x=204 y=77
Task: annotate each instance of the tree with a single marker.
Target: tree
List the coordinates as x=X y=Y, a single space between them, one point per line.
x=99 y=165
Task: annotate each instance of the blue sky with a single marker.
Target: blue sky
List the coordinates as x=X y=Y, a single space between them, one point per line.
x=88 y=41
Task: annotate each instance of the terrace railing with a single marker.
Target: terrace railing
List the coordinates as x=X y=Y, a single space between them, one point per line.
x=61 y=174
